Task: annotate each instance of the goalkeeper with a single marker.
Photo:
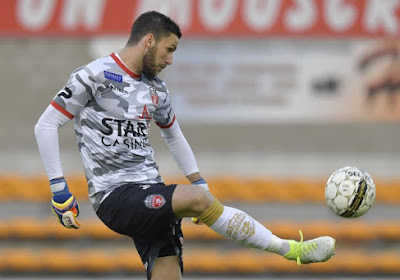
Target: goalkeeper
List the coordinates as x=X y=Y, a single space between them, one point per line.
x=113 y=100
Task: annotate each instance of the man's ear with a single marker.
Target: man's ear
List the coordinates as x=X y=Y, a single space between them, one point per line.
x=150 y=41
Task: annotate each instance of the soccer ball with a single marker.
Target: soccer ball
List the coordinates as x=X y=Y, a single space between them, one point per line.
x=350 y=192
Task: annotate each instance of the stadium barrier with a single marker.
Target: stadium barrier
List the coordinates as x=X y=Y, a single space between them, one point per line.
x=196 y=261
x=229 y=188
x=355 y=231
x=363 y=248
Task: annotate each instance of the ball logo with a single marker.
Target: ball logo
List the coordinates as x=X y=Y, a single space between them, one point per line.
x=154 y=201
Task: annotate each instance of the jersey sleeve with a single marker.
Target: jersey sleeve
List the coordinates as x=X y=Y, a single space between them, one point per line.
x=180 y=149
x=164 y=116
x=76 y=93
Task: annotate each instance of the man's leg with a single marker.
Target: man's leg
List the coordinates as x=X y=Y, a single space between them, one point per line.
x=193 y=201
x=166 y=268
x=151 y=223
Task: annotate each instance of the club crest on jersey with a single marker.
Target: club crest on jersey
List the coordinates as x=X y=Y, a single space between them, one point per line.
x=154 y=201
x=112 y=76
x=154 y=96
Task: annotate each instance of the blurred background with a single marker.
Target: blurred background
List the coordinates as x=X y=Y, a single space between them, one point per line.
x=273 y=96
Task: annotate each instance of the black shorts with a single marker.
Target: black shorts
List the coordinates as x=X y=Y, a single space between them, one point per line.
x=144 y=212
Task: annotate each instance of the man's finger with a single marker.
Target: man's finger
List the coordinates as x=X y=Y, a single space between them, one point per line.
x=70 y=221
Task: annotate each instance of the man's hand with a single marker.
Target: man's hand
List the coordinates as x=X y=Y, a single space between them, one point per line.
x=64 y=204
x=202 y=183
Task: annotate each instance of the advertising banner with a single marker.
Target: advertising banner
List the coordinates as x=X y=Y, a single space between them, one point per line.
x=287 y=81
x=205 y=18
x=282 y=80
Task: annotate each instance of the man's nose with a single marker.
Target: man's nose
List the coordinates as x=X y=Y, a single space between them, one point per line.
x=169 y=59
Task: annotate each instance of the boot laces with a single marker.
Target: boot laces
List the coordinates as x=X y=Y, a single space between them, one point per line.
x=304 y=248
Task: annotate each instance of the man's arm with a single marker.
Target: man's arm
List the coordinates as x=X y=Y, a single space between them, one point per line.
x=183 y=154
x=46 y=132
x=184 y=157
x=65 y=206
x=194 y=177
x=181 y=151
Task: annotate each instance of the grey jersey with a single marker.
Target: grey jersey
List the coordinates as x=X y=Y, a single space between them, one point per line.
x=113 y=108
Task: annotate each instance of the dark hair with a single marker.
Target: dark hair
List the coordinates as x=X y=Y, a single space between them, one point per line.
x=155 y=23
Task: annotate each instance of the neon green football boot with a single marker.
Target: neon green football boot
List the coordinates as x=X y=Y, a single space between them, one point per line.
x=319 y=249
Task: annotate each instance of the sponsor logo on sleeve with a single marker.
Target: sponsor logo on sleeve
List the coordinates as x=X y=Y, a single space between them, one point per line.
x=112 y=76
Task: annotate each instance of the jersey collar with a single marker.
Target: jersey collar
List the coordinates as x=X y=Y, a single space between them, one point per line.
x=123 y=67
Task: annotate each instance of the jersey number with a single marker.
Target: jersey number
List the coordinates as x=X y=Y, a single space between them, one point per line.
x=67 y=93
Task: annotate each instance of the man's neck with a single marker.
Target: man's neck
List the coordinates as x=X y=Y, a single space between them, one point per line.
x=132 y=59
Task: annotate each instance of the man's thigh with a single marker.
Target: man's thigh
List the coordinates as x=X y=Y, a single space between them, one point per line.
x=138 y=210
x=166 y=268
x=144 y=212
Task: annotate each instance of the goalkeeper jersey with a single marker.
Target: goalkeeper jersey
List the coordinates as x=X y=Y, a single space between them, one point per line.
x=113 y=107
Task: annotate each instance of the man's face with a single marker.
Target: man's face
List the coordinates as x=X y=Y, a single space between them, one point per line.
x=159 y=56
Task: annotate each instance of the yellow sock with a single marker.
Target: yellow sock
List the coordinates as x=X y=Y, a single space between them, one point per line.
x=212 y=213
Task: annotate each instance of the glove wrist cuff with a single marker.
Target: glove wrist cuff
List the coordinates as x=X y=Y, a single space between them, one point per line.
x=57 y=180
x=202 y=183
x=60 y=190
x=199 y=182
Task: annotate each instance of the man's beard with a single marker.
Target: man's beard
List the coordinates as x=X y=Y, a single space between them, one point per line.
x=149 y=63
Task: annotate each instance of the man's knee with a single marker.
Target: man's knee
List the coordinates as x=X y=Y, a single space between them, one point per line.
x=191 y=201
x=203 y=199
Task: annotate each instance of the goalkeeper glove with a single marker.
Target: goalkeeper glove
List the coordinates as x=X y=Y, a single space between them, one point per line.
x=202 y=183
x=64 y=204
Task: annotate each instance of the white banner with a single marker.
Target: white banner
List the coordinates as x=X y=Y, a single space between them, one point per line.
x=246 y=81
